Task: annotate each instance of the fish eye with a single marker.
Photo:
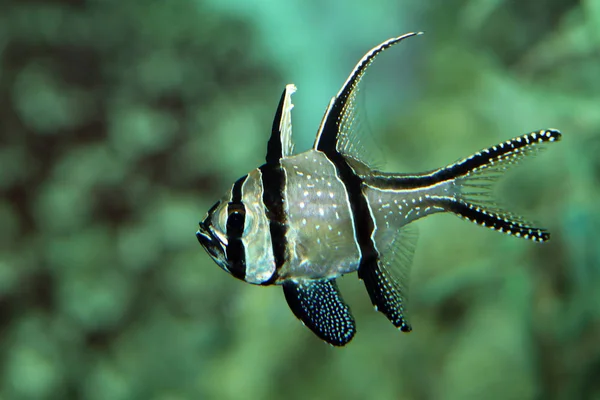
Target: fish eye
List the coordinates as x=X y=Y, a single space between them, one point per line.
x=235 y=220
x=239 y=221
x=236 y=214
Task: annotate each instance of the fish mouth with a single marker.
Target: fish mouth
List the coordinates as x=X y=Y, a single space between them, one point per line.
x=211 y=242
x=213 y=246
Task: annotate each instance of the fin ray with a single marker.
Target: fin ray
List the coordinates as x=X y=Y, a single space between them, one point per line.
x=321 y=307
x=355 y=139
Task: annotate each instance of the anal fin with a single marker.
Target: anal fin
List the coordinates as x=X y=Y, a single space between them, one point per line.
x=320 y=306
x=386 y=280
x=385 y=297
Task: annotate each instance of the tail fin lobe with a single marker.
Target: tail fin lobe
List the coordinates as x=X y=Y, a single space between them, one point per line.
x=475 y=177
x=503 y=222
x=488 y=163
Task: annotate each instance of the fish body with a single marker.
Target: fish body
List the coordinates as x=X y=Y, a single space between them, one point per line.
x=303 y=220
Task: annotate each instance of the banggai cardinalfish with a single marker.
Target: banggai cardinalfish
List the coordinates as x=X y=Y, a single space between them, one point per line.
x=303 y=220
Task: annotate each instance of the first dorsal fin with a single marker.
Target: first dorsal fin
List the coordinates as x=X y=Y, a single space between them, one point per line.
x=280 y=144
x=338 y=130
x=320 y=306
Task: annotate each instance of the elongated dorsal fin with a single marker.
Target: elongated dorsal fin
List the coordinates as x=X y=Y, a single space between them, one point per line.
x=320 y=306
x=280 y=144
x=339 y=128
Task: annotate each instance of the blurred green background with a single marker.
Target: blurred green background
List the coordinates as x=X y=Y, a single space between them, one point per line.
x=121 y=122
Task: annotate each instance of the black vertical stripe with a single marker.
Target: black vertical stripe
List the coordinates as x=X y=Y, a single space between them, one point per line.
x=363 y=221
x=273 y=180
x=236 y=219
x=327 y=143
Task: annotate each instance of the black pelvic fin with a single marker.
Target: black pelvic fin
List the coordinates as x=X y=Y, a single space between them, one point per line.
x=280 y=144
x=320 y=306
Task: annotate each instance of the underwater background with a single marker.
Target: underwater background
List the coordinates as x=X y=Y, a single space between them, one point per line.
x=121 y=122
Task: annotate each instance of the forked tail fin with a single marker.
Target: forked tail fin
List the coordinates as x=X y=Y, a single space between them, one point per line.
x=474 y=178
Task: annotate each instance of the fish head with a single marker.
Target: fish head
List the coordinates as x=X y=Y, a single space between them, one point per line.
x=235 y=232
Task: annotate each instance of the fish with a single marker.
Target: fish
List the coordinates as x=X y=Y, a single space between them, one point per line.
x=303 y=220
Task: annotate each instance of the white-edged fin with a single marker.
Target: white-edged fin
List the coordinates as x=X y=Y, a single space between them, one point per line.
x=476 y=176
x=341 y=129
x=320 y=306
x=280 y=144
x=387 y=283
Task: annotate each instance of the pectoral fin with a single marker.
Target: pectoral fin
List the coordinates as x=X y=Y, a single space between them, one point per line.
x=320 y=306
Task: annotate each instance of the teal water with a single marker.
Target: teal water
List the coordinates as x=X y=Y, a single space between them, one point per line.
x=122 y=122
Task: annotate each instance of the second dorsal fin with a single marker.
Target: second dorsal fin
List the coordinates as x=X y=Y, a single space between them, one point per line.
x=339 y=130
